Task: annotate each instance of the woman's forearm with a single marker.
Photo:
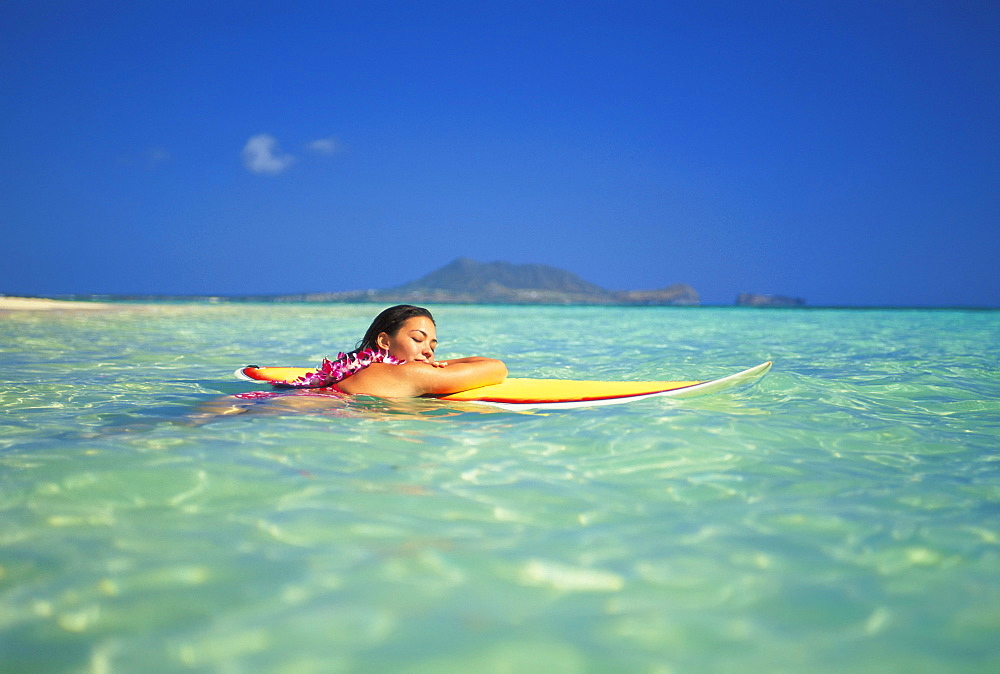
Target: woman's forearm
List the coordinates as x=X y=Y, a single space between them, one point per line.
x=460 y=375
x=467 y=359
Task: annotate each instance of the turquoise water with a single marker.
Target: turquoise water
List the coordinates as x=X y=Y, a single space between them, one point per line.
x=841 y=515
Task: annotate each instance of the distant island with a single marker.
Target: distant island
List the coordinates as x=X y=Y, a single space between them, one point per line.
x=779 y=301
x=466 y=281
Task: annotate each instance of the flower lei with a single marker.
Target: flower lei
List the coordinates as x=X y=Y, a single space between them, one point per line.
x=332 y=371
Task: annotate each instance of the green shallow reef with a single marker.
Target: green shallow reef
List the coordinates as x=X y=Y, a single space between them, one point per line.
x=843 y=514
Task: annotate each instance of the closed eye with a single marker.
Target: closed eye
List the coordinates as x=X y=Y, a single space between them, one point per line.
x=420 y=340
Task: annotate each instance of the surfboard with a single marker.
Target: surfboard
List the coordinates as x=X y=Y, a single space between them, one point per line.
x=520 y=394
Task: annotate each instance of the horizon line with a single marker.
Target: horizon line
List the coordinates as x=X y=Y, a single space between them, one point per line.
x=278 y=298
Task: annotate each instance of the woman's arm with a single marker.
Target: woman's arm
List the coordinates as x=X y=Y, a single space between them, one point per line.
x=452 y=361
x=420 y=378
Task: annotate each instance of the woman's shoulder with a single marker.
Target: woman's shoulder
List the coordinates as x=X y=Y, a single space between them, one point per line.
x=380 y=379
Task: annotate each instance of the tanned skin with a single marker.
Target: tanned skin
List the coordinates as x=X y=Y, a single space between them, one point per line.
x=419 y=374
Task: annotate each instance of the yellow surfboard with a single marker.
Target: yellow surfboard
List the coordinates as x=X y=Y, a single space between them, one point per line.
x=515 y=393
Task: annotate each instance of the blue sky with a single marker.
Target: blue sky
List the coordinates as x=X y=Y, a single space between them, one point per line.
x=845 y=152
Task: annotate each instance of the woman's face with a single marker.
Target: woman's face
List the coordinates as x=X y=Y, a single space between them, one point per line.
x=415 y=340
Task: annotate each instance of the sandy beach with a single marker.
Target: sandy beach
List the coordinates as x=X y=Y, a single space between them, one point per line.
x=41 y=304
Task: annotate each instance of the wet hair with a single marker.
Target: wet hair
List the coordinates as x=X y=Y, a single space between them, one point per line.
x=389 y=322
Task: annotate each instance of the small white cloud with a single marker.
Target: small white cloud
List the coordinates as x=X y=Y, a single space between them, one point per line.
x=157 y=155
x=149 y=158
x=261 y=155
x=324 y=146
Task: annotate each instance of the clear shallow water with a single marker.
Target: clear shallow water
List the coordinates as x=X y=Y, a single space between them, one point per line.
x=843 y=514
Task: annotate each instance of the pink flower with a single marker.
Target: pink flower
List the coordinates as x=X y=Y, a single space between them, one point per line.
x=331 y=371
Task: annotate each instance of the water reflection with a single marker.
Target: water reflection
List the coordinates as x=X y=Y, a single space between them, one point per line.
x=325 y=402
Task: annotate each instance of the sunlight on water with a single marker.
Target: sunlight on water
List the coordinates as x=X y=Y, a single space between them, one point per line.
x=841 y=515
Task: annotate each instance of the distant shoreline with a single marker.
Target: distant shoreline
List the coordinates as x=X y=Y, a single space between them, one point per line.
x=44 y=304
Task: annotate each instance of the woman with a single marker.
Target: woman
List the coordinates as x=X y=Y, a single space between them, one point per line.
x=395 y=359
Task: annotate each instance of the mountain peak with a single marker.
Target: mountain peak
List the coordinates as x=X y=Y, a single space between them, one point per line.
x=468 y=275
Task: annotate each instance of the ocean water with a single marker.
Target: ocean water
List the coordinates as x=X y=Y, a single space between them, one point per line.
x=843 y=514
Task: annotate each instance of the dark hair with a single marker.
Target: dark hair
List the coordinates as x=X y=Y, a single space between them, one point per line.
x=389 y=322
